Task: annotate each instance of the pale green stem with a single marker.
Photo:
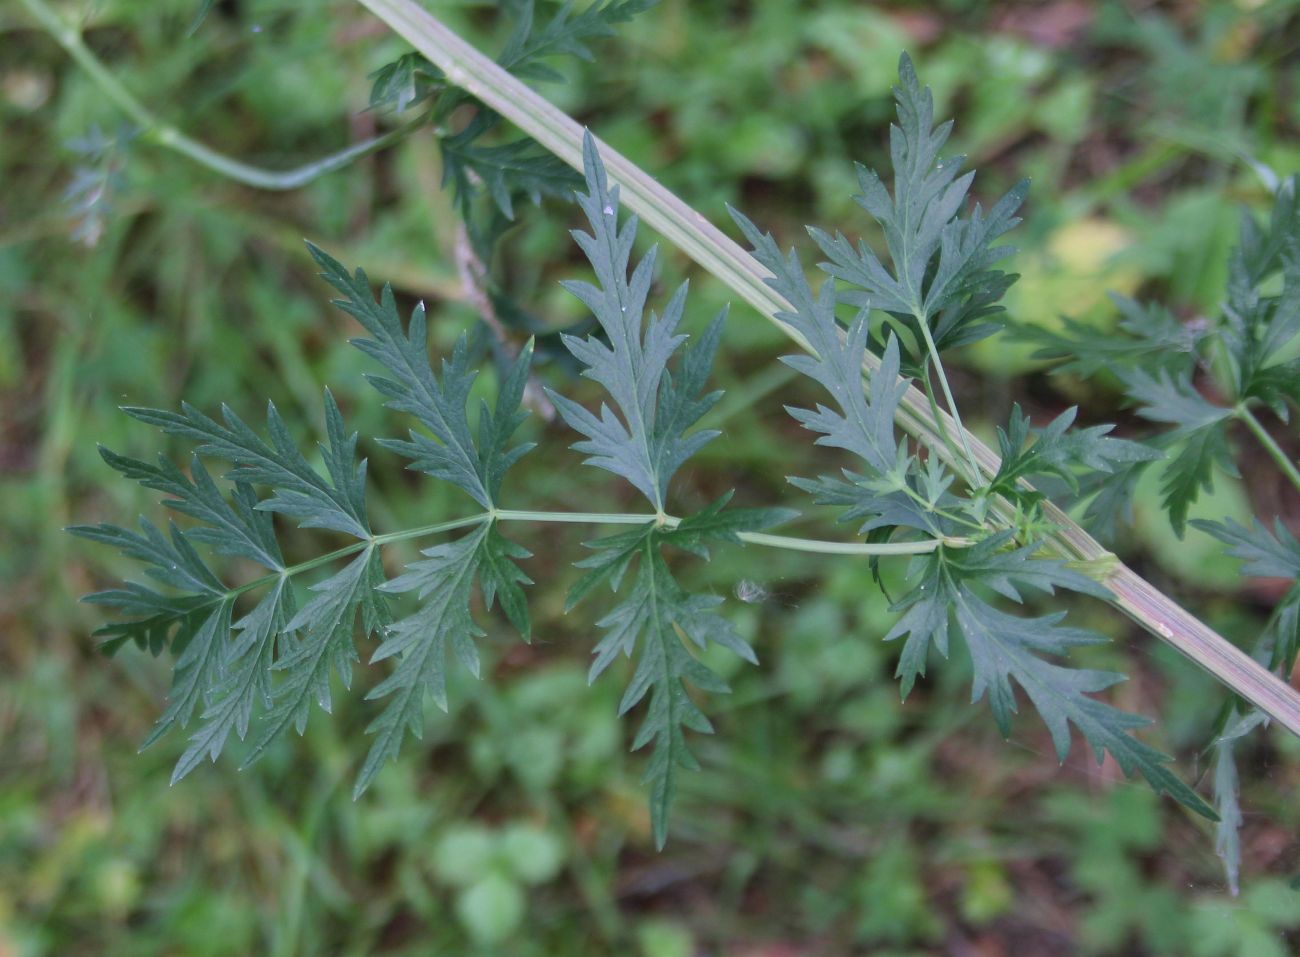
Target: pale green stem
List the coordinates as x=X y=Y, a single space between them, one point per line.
x=581 y=518
x=954 y=455
x=154 y=130
x=1270 y=444
x=975 y=474
x=280 y=180
x=424 y=530
x=361 y=546
x=921 y=547
x=695 y=236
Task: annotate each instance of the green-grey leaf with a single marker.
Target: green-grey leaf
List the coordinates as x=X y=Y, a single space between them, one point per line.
x=1006 y=650
x=318 y=642
x=419 y=642
x=647 y=440
x=438 y=402
x=336 y=502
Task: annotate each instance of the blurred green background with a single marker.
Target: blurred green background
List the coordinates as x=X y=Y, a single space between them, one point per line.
x=829 y=818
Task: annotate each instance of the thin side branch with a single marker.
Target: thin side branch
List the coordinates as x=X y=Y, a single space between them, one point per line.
x=154 y=130
x=473 y=284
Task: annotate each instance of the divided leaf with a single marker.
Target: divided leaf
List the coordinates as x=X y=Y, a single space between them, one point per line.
x=318 y=642
x=405 y=82
x=231 y=676
x=439 y=403
x=419 y=642
x=244 y=678
x=1199 y=433
x=1258 y=325
x=504 y=170
x=565 y=33
x=941 y=271
x=1059 y=452
x=236 y=528
x=445 y=582
x=655 y=619
x=864 y=422
x=647 y=440
x=335 y=500
x=1146 y=335
x=1008 y=650
x=1156 y=358
x=1268 y=555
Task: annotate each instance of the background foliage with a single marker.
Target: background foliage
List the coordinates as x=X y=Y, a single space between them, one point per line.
x=829 y=819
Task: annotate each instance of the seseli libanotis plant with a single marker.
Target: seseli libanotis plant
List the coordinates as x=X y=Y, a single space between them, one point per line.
x=251 y=659
x=262 y=671
x=917 y=414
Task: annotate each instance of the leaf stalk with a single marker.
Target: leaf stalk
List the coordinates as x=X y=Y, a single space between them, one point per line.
x=920 y=547
x=1270 y=445
x=974 y=475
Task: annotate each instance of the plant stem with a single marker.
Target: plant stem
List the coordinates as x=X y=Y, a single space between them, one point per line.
x=583 y=518
x=924 y=323
x=360 y=546
x=278 y=180
x=694 y=235
x=922 y=547
x=404 y=534
x=1142 y=602
x=973 y=479
x=154 y=130
x=1270 y=444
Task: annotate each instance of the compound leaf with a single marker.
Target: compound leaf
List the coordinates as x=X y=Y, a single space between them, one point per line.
x=1268 y=554
x=863 y=423
x=405 y=82
x=942 y=263
x=335 y=501
x=1057 y=451
x=654 y=620
x=1007 y=650
x=1147 y=335
x=647 y=440
x=237 y=528
x=419 y=642
x=438 y=402
x=1199 y=425
x=244 y=680
x=319 y=642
